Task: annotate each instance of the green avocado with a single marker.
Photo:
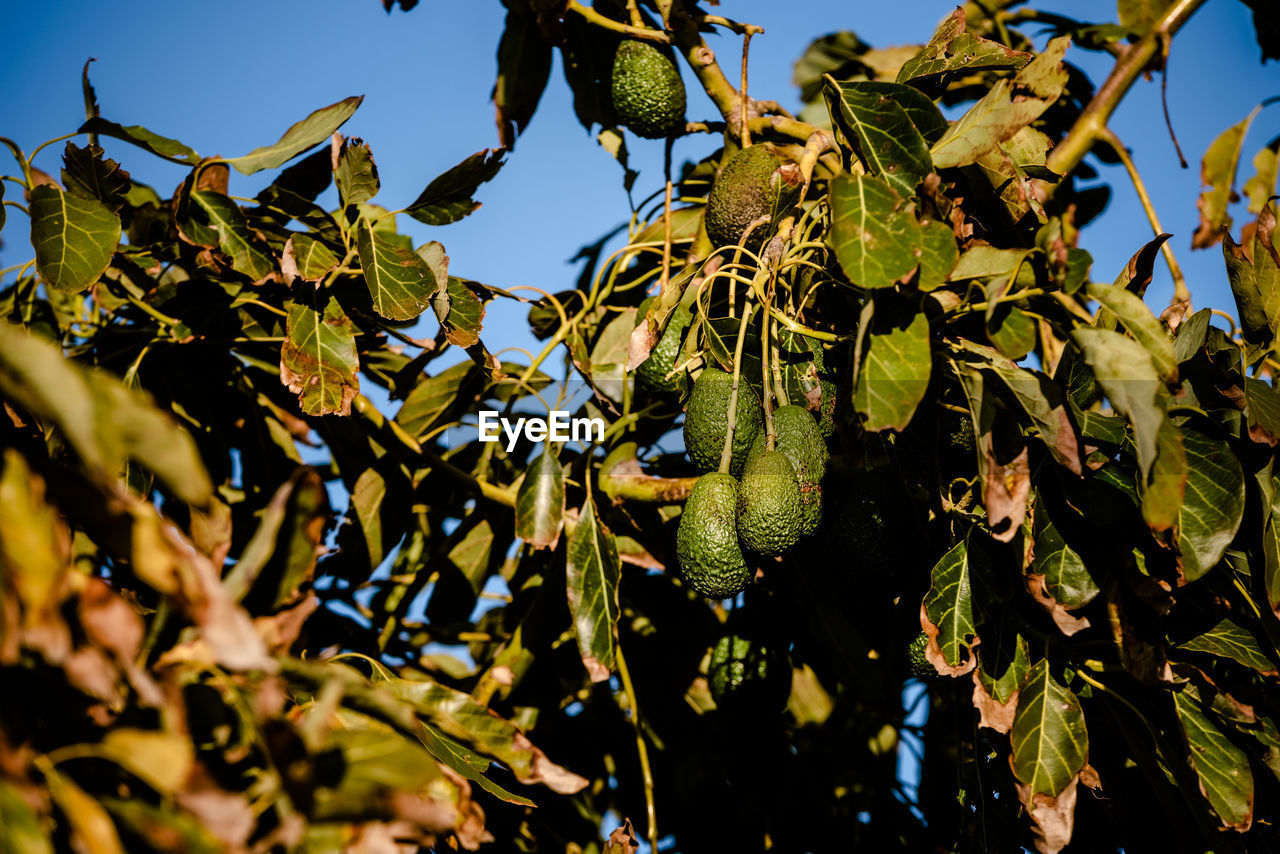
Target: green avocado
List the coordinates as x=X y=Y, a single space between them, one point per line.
x=748 y=672
x=706 y=421
x=707 y=547
x=797 y=435
x=744 y=192
x=648 y=94
x=652 y=373
x=769 y=509
x=917 y=663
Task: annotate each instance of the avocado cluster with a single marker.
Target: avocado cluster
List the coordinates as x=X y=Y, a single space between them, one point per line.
x=777 y=501
x=657 y=374
x=648 y=95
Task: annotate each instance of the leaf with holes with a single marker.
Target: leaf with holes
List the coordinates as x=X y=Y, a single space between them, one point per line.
x=74 y=237
x=954 y=51
x=318 y=360
x=949 y=608
x=874 y=118
x=593 y=571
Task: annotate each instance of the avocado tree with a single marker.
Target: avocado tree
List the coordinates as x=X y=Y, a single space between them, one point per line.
x=924 y=444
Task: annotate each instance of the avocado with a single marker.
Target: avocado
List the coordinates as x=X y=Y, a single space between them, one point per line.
x=769 y=509
x=648 y=94
x=707 y=547
x=706 y=421
x=797 y=435
x=917 y=663
x=748 y=671
x=744 y=192
x=652 y=373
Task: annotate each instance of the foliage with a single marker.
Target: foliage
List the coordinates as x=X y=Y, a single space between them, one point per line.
x=493 y=644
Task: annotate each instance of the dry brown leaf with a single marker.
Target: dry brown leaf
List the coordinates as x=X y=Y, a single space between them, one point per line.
x=1062 y=618
x=933 y=653
x=1052 y=819
x=991 y=712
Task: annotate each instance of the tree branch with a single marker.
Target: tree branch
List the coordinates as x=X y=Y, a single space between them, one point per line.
x=1132 y=61
x=593 y=17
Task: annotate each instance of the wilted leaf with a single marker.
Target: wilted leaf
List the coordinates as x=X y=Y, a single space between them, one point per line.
x=356 y=174
x=1003 y=461
x=465 y=312
x=318 y=359
x=448 y=198
x=1223 y=769
x=1002 y=667
x=399 y=280
x=876 y=238
x=593 y=574
x=894 y=372
x=885 y=136
x=1066 y=578
x=1213 y=504
x=1218 y=175
x=1050 y=742
x=947 y=613
x=1230 y=640
x=74 y=237
x=311 y=131
x=86 y=173
x=540 y=501
x=1010 y=105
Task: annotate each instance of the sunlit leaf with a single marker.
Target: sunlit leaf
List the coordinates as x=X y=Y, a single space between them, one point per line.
x=1141 y=324
x=1049 y=738
x=883 y=133
x=895 y=368
x=448 y=198
x=952 y=50
x=875 y=237
x=593 y=573
x=1230 y=640
x=249 y=254
x=399 y=280
x=169 y=149
x=311 y=131
x=949 y=606
x=74 y=237
x=357 y=174
x=318 y=360
x=1218 y=175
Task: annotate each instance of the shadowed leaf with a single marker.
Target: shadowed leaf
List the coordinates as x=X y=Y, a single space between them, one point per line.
x=593 y=573
x=356 y=174
x=1223 y=769
x=448 y=198
x=948 y=606
x=540 y=501
x=249 y=254
x=169 y=149
x=1049 y=739
x=86 y=173
x=1213 y=504
x=1230 y=640
x=894 y=372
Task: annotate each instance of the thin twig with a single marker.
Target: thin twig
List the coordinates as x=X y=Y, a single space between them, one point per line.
x=645 y=770
x=591 y=16
x=744 y=131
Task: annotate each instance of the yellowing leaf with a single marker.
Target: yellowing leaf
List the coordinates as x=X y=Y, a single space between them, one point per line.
x=593 y=572
x=318 y=359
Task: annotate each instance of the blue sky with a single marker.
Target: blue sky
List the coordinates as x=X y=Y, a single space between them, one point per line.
x=226 y=77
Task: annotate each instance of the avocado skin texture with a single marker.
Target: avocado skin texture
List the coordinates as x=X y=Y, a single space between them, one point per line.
x=917 y=663
x=741 y=195
x=769 y=510
x=748 y=673
x=706 y=421
x=652 y=372
x=797 y=435
x=707 y=547
x=648 y=94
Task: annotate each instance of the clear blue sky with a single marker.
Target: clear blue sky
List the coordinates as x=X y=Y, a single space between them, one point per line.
x=227 y=76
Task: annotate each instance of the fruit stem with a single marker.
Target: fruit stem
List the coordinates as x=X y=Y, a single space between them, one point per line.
x=779 y=387
x=726 y=456
x=646 y=772
x=591 y=16
x=766 y=323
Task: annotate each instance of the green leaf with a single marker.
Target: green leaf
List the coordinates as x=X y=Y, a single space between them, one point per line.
x=464 y=313
x=938 y=254
x=311 y=260
x=104 y=422
x=356 y=174
x=1010 y=105
x=593 y=571
x=1271 y=547
x=883 y=135
x=311 y=131
x=91 y=828
x=1213 y=504
x=1262 y=411
x=1066 y=578
x=1230 y=640
x=74 y=238
x=161 y=146
x=249 y=254
x=89 y=175
x=876 y=237
x=1003 y=460
x=367 y=497
x=318 y=360
x=524 y=66
x=399 y=280
x=1140 y=15
x=1007 y=167
x=894 y=371
x=982 y=261
x=1141 y=324
x=952 y=51
x=1262 y=185
x=1003 y=664
x=540 y=501
x=435 y=396
x=1223 y=769
x=949 y=606
x=448 y=198
x=1218 y=175
x=1049 y=738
